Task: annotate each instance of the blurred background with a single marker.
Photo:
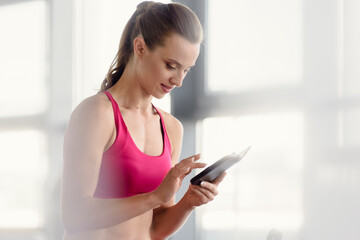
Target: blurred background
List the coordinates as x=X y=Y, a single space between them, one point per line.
x=280 y=75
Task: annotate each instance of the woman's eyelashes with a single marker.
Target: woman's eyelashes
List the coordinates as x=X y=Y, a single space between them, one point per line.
x=174 y=67
x=170 y=66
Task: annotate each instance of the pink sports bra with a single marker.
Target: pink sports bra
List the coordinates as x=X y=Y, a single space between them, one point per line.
x=125 y=170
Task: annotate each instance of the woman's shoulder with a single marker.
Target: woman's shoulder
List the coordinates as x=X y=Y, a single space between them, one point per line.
x=97 y=103
x=174 y=128
x=171 y=122
x=90 y=124
x=96 y=107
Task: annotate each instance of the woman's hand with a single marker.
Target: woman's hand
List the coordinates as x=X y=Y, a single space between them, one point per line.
x=198 y=195
x=172 y=181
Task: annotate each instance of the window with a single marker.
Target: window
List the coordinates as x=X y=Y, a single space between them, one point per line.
x=259 y=40
x=23 y=101
x=22 y=62
x=254 y=195
x=24 y=166
x=349 y=50
x=277 y=76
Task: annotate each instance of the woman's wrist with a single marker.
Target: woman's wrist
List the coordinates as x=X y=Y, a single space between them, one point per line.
x=154 y=199
x=186 y=204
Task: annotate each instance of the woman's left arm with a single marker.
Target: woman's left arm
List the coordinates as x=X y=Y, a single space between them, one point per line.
x=168 y=218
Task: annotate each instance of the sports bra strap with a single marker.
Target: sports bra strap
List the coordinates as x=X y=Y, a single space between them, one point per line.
x=115 y=109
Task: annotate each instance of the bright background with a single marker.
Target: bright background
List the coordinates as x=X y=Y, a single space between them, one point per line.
x=280 y=75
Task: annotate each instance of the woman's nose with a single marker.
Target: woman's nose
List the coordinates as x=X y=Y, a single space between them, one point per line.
x=177 y=79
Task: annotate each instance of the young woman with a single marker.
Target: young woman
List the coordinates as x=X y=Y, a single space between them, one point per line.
x=121 y=168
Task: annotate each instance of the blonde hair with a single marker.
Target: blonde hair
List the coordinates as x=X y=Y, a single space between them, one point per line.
x=154 y=21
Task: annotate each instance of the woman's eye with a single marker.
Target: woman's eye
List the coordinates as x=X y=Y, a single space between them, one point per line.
x=170 y=67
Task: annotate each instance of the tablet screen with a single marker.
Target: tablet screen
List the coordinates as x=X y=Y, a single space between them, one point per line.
x=210 y=173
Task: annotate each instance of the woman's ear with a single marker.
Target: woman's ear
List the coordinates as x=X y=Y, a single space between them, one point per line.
x=139 y=46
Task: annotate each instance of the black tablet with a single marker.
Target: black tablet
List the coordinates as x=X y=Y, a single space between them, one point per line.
x=210 y=173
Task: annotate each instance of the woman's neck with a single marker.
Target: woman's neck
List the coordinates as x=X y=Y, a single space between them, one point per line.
x=128 y=91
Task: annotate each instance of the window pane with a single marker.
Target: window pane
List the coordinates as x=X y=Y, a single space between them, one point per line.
x=349 y=120
x=22 y=172
x=264 y=190
x=351 y=48
x=253 y=44
x=22 y=58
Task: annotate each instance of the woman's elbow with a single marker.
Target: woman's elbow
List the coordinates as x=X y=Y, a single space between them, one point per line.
x=69 y=224
x=159 y=235
x=72 y=221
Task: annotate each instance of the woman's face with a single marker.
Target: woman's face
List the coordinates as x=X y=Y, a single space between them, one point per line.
x=165 y=67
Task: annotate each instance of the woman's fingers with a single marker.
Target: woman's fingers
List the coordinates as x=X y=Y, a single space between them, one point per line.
x=210 y=189
x=188 y=164
x=219 y=179
x=189 y=160
x=206 y=192
x=173 y=180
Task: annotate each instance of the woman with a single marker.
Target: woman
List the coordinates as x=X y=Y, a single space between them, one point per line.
x=121 y=169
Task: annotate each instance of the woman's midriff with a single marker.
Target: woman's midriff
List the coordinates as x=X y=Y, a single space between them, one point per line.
x=137 y=228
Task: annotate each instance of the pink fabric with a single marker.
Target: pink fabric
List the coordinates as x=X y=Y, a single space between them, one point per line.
x=125 y=170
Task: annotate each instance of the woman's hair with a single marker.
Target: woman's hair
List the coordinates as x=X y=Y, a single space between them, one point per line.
x=154 y=21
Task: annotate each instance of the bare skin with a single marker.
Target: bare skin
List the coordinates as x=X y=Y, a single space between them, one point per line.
x=91 y=131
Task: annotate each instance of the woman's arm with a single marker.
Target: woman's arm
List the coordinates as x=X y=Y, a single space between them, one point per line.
x=168 y=218
x=89 y=133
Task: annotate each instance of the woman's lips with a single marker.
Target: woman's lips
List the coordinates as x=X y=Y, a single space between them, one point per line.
x=165 y=88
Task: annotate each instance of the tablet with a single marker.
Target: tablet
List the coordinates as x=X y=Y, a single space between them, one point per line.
x=210 y=173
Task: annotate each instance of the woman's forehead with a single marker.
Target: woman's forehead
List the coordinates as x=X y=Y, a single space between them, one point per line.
x=180 y=49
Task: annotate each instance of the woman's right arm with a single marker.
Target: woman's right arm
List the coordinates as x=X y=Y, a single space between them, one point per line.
x=89 y=131
x=88 y=134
